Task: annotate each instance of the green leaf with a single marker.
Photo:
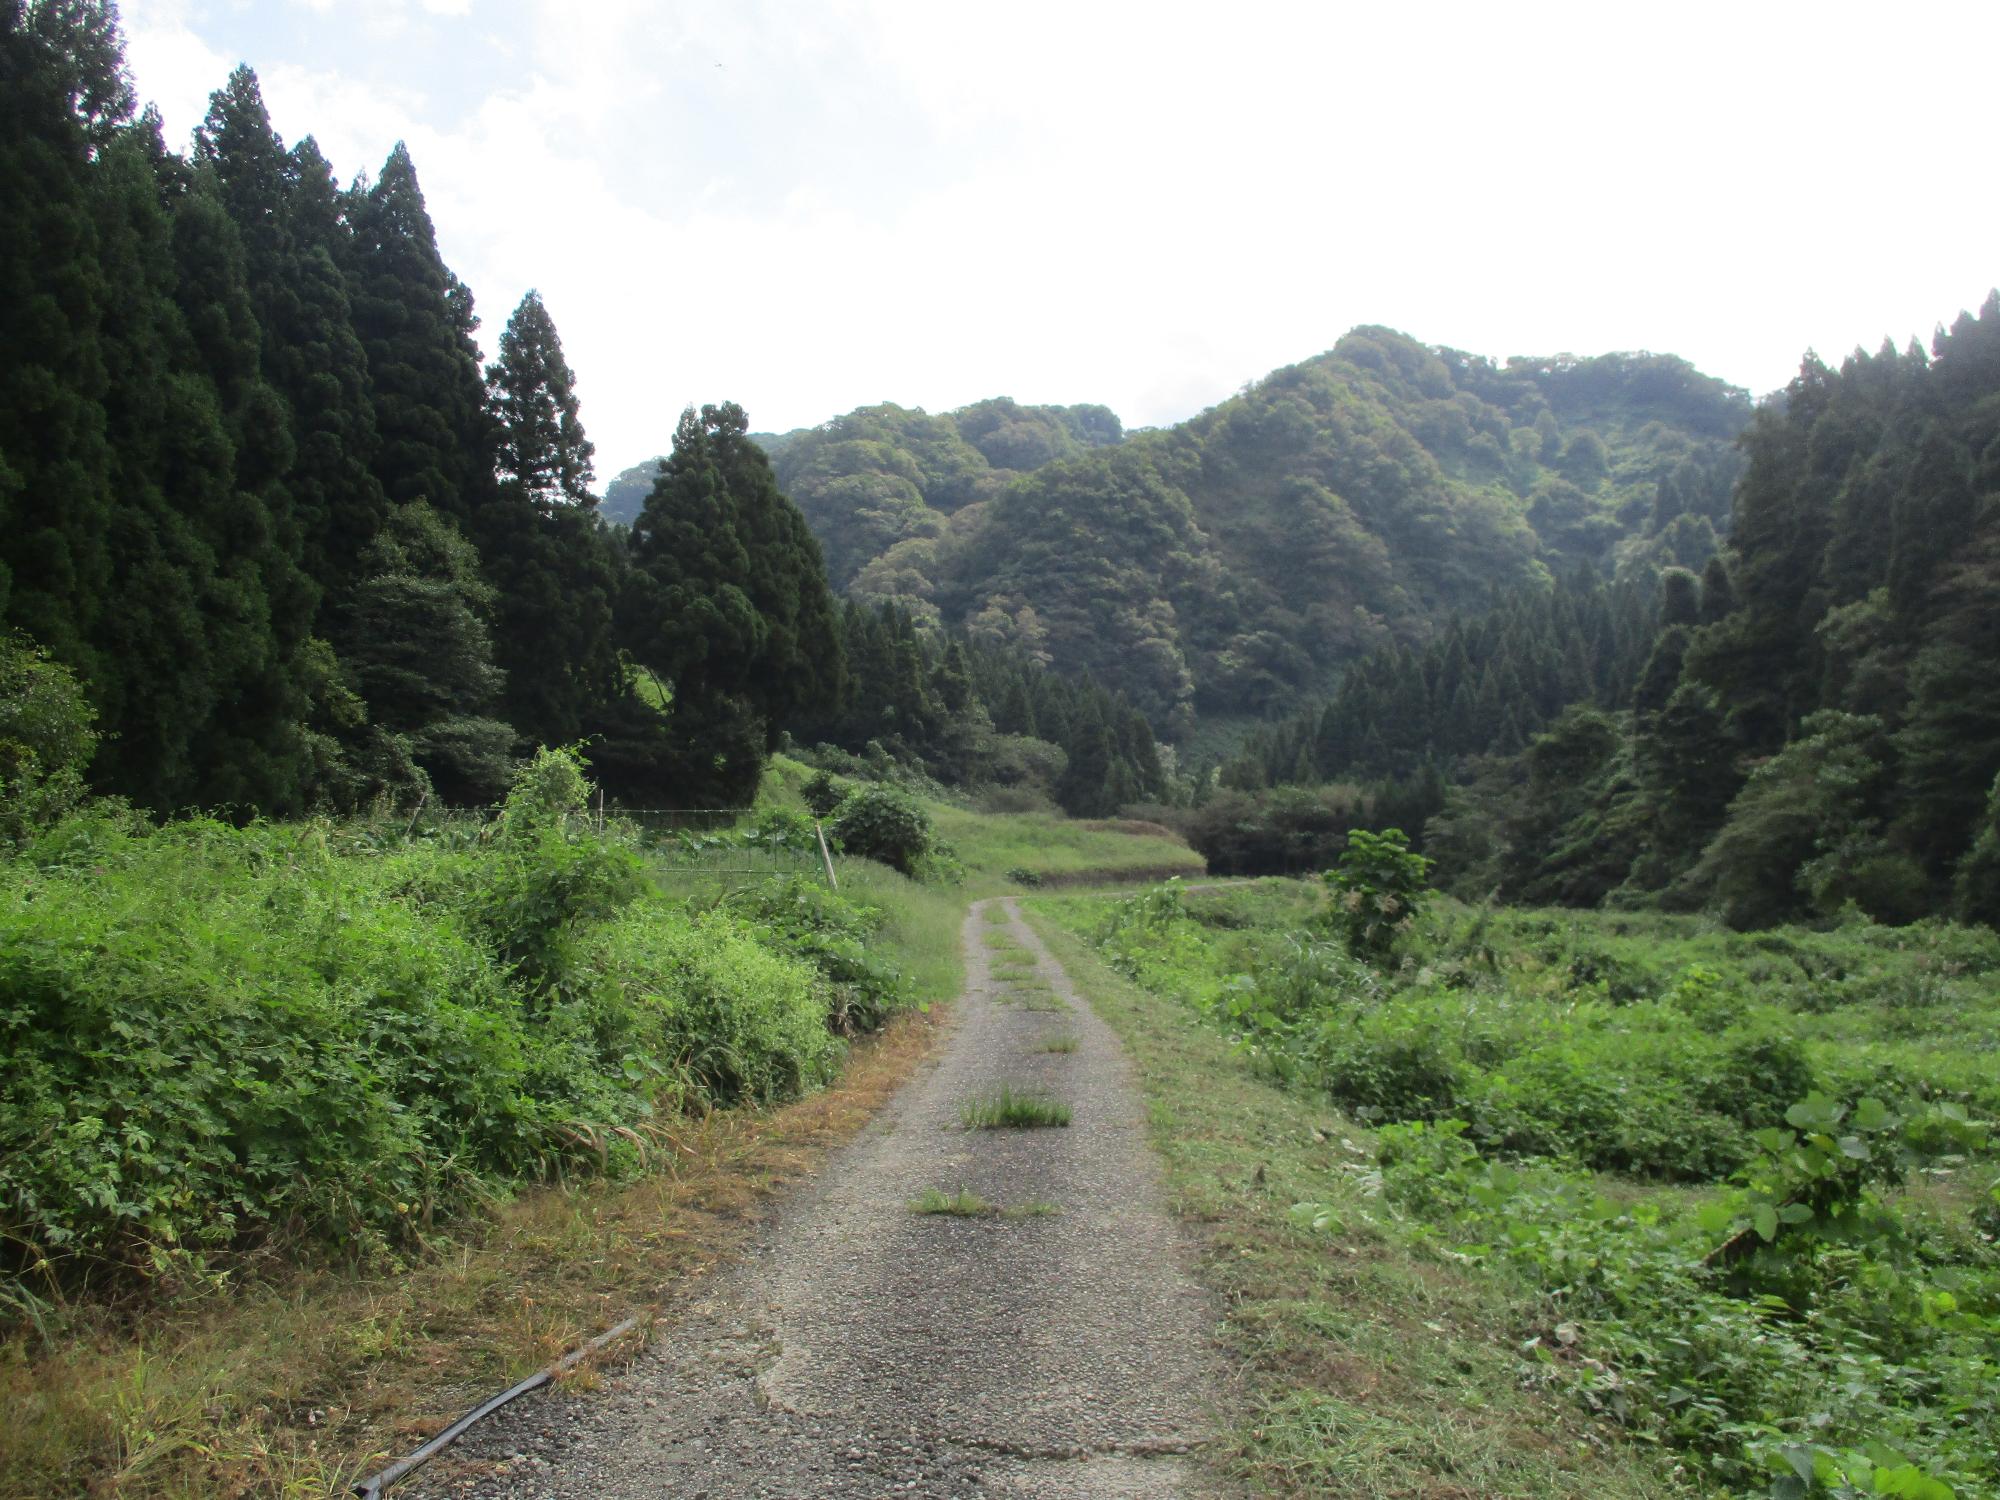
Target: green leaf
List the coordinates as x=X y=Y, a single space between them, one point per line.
x=1765 y=1222
x=1814 y=1111
x=1873 y=1114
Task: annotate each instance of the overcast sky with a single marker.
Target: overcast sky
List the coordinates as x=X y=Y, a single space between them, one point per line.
x=805 y=207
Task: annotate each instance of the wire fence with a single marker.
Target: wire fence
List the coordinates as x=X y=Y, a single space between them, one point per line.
x=725 y=844
x=721 y=843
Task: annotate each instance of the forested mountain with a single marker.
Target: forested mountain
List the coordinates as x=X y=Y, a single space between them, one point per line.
x=883 y=474
x=1814 y=722
x=1240 y=560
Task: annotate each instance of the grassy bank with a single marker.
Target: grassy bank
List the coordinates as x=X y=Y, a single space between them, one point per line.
x=1730 y=1191
x=312 y=1133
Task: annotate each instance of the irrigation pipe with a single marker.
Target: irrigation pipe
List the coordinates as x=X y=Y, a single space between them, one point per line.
x=373 y=1488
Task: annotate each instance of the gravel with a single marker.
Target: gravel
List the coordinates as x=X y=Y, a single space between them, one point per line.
x=861 y=1349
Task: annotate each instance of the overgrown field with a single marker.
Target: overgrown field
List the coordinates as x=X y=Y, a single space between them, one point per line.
x=1740 y=1187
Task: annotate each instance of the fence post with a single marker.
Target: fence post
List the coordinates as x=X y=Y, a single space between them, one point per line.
x=826 y=856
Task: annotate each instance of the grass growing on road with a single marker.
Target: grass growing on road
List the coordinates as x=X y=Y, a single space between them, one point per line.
x=966 y=1204
x=1012 y=1108
x=1065 y=1043
x=963 y=1204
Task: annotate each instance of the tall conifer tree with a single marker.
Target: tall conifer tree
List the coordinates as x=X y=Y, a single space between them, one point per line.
x=416 y=324
x=546 y=553
x=728 y=602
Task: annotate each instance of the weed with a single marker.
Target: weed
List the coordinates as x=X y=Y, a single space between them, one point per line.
x=1036 y=1209
x=966 y=1204
x=1795 y=1319
x=1012 y=1108
x=1370 y=1366
x=963 y=1204
x=1067 y=1042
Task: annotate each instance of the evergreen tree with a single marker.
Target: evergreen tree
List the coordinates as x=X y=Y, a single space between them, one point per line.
x=415 y=637
x=415 y=322
x=546 y=554
x=285 y=208
x=56 y=492
x=532 y=392
x=728 y=602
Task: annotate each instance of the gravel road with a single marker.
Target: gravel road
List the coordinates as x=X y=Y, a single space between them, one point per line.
x=864 y=1350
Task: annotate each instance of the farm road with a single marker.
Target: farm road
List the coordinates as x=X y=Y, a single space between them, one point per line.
x=864 y=1350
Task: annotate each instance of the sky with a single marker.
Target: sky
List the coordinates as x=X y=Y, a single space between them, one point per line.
x=806 y=206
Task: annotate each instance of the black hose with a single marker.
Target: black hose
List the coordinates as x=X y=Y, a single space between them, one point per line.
x=373 y=1488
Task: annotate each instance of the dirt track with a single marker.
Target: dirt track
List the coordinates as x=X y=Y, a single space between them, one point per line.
x=865 y=1350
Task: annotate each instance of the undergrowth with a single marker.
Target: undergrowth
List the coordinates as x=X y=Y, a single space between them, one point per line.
x=327 y=1040
x=1815 y=1310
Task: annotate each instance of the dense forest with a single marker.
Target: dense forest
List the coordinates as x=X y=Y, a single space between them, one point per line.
x=302 y=551
x=1224 y=567
x=1813 y=723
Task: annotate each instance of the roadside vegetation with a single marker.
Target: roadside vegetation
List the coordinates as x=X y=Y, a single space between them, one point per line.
x=313 y=1133
x=1732 y=1193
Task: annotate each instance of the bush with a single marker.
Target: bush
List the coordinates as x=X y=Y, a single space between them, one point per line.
x=881 y=823
x=1378 y=889
x=822 y=794
x=713 y=1006
x=212 y=1038
x=209 y=1037
x=47 y=738
x=805 y=918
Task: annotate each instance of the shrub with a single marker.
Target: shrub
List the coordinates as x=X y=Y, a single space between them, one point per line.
x=822 y=794
x=1378 y=888
x=212 y=1038
x=208 y=1037
x=712 y=1005
x=804 y=918
x=46 y=739
x=545 y=878
x=881 y=823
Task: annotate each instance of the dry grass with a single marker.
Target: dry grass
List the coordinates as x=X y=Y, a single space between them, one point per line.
x=297 y=1387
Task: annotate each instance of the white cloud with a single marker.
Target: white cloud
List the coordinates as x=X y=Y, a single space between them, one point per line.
x=808 y=206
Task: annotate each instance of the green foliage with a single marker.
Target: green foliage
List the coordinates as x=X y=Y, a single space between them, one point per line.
x=1246 y=556
x=1813 y=727
x=882 y=823
x=727 y=602
x=822 y=794
x=1378 y=890
x=333 y=1036
x=840 y=938
x=46 y=739
x=714 y=1002
x=1821 y=1318
x=546 y=879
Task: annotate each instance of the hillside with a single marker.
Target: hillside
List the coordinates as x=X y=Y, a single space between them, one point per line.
x=883 y=474
x=1240 y=559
